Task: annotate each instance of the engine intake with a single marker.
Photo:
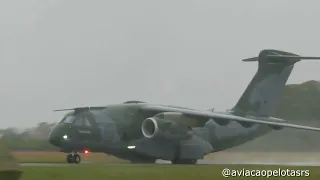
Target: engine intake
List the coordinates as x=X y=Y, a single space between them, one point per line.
x=164 y=129
x=149 y=127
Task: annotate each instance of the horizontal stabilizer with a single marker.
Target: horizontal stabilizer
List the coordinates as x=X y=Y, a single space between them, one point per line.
x=279 y=55
x=293 y=57
x=251 y=59
x=284 y=57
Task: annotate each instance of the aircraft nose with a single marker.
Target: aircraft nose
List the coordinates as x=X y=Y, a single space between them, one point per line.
x=54 y=139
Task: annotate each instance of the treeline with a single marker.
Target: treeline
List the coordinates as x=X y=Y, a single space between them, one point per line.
x=30 y=145
x=300 y=102
x=29 y=139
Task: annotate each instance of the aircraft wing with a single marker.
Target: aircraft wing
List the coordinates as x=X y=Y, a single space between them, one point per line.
x=82 y=108
x=228 y=117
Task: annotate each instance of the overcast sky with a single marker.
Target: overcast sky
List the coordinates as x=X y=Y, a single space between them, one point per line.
x=61 y=54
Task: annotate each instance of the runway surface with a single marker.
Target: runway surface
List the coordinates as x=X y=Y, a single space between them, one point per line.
x=200 y=162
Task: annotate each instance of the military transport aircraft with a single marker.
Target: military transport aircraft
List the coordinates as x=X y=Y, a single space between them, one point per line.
x=143 y=132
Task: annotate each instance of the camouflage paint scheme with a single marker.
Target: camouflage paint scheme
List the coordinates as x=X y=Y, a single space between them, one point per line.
x=143 y=132
x=9 y=169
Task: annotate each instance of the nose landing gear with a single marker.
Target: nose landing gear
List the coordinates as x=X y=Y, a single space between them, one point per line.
x=73 y=158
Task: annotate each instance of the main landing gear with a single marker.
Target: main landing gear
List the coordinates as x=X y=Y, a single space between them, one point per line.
x=73 y=158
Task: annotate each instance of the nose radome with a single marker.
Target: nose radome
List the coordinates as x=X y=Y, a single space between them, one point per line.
x=54 y=137
x=54 y=140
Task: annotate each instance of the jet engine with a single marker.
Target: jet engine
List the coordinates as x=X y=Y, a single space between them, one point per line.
x=156 y=128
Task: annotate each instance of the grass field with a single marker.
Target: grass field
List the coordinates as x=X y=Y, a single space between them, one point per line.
x=139 y=172
x=147 y=172
x=226 y=157
x=59 y=157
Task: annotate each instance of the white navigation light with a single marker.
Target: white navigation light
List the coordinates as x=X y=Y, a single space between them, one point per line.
x=131 y=147
x=65 y=137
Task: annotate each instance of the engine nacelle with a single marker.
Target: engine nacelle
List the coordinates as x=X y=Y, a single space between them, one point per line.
x=165 y=129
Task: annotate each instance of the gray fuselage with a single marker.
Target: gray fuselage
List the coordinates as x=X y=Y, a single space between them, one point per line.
x=117 y=127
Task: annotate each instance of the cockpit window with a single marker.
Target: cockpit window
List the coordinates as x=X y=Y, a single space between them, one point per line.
x=68 y=119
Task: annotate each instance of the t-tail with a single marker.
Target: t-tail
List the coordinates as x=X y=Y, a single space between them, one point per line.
x=263 y=92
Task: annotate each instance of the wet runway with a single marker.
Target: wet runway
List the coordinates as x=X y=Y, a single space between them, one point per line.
x=201 y=162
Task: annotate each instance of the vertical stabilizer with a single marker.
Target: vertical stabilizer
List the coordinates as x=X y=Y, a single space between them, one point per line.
x=263 y=92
